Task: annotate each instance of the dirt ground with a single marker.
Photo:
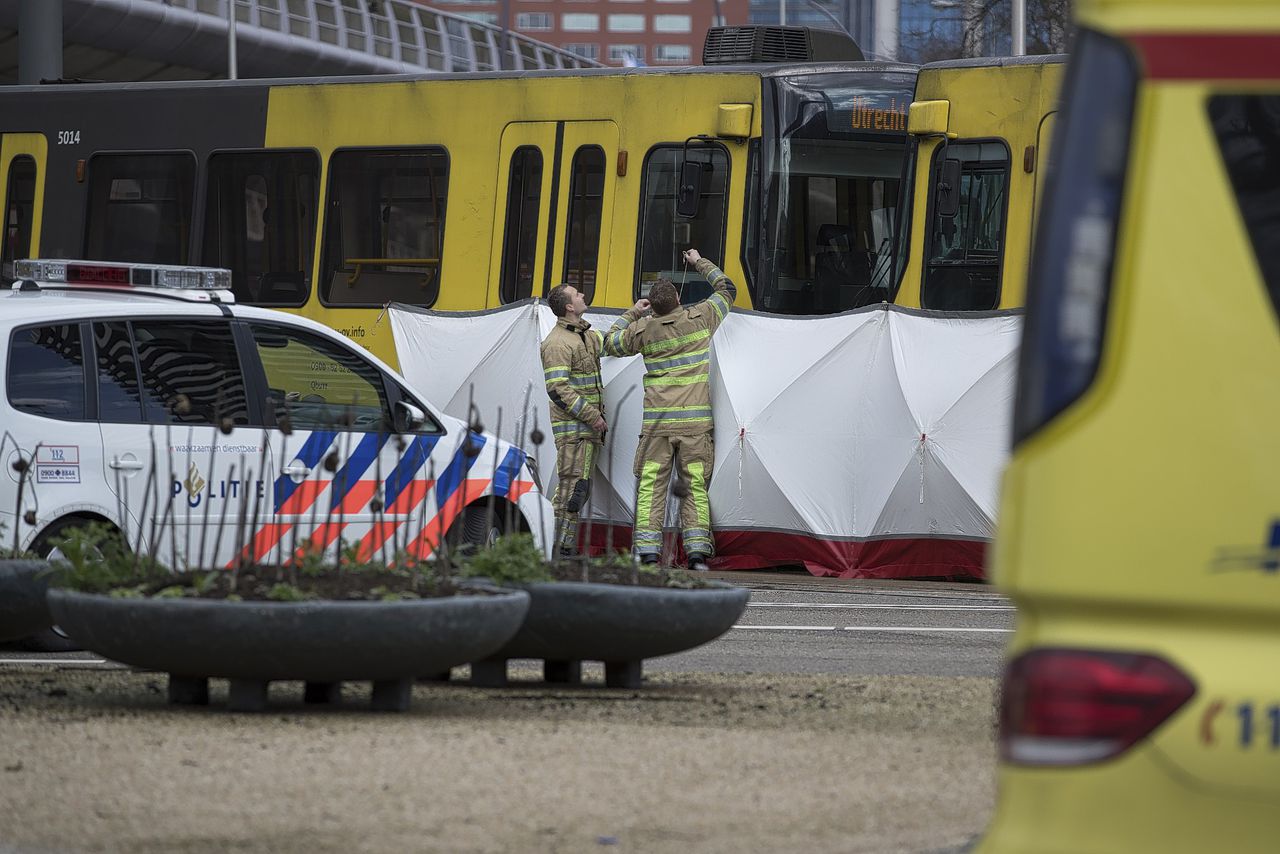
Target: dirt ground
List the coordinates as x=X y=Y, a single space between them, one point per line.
x=95 y=760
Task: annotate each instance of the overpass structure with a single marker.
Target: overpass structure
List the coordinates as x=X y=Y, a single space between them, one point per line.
x=133 y=40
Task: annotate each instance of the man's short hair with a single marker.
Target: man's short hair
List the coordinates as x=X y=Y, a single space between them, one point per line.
x=663 y=297
x=559 y=300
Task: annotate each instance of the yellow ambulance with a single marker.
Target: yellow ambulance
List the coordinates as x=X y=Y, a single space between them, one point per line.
x=1140 y=521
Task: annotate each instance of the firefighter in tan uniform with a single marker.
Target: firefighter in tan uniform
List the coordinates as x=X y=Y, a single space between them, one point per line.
x=571 y=365
x=675 y=342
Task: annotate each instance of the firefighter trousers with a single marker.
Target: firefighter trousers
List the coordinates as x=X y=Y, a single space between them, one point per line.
x=575 y=461
x=656 y=458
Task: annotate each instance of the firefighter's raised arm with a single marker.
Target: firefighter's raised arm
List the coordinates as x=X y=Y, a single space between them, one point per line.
x=620 y=339
x=724 y=290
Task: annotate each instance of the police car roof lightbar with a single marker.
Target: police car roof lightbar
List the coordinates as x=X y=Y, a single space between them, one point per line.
x=158 y=277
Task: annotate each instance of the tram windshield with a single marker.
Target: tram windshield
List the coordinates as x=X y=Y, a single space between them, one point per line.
x=832 y=164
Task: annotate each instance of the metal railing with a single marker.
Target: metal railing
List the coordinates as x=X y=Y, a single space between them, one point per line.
x=396 y=35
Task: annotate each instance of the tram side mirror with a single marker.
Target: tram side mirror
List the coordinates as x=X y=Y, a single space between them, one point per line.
x=408 y=417
x=689 y=193
x=947 y=196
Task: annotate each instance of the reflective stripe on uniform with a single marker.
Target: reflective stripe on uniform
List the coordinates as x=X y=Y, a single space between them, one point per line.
x=674 y=343
x=698 y=493
x=700 y=357
x=720 y=302
x=679 y=379
x=647 y=539
x=613 y=343
x=676 y=413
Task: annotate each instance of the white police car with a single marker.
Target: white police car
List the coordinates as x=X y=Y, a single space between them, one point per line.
x=210 y=433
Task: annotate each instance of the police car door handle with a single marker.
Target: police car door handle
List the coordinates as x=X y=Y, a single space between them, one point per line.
x=296 y=470
x=125 y=464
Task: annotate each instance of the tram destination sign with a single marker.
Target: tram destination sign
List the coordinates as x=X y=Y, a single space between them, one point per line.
x=860 y=111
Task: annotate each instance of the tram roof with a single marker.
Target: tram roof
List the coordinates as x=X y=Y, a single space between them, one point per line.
x=997 y=61
x=759 y=70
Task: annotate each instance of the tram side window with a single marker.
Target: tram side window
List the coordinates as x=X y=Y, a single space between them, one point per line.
x=46 y=372
x=582 y=236
x=964 y=255
x=664 y=234
x=384 y=228
x=260 y=222
x=140 y=207
x=520 y=241
x=21 y=200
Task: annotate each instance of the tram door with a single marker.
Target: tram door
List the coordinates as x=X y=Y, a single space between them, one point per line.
x=22 y=168
x=554 y=211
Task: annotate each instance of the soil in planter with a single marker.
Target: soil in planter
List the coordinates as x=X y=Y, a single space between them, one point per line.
x=272 y=584
x=624 y=571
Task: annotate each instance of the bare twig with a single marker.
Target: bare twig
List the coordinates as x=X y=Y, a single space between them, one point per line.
x=186 y=539
x=242 y=525
x=348 y=418
x=536 y=437
x=24 y=471
x=256 y=518
x=167 y=521
x=213 y=457
x=490 y=505
x=147 y=490
x=222 y=519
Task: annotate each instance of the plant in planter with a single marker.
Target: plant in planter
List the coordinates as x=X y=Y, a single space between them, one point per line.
x=316 y=622
x=608 y=609
x=296 y=601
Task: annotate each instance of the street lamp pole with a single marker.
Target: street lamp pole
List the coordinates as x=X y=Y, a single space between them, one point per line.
x=506 y=35
x=231 y=39
x=1018 y=21
x=39 y=41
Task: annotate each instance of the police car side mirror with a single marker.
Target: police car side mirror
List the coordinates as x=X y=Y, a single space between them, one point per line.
x=408 y=417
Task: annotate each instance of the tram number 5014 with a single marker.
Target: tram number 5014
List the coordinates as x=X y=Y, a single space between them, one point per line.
x=68 y=137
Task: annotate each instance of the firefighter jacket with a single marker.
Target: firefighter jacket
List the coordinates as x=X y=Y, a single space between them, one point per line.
x=677 y=357
x=571 y=365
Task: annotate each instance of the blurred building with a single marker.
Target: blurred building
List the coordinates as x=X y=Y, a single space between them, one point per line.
x=614 y=32
x=904 y=30
x=671 y=32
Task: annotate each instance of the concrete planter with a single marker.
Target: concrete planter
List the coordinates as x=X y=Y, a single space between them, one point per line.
x=621 y=625
x=23 y=610
x=323 y=643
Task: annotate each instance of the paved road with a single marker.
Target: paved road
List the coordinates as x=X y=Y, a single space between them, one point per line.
x=799 y=624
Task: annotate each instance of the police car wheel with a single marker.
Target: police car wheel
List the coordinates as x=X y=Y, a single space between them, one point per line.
x=481 y=527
